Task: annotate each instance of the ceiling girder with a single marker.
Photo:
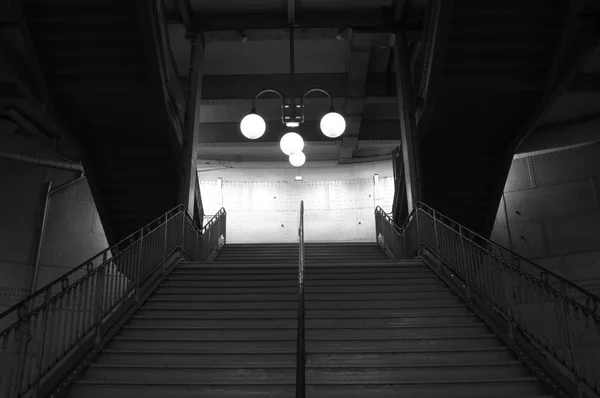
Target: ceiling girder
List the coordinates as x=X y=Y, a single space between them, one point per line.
x=363 y=19
x=247 y=86
x=358 y=68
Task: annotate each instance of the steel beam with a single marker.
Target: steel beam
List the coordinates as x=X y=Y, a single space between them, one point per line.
x=247 y=86
x=361 y=19
x=187 y=189
x=408 y=136
x=358 y=68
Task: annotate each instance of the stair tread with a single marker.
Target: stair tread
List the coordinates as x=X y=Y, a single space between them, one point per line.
x=450 y=381
x=203 y=352
x=241 y=366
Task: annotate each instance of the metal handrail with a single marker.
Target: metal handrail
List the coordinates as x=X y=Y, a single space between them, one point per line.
x=62 y=321
x=300 y=343
x=556 y=317
x=490 y=245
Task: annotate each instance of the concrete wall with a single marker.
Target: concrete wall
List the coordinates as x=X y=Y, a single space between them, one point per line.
x=550 y=212
x=263 y=204
x=73 y=231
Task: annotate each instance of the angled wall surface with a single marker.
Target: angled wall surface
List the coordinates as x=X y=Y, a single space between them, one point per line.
x=263 y=203
x=73 y=230
x=550 y=212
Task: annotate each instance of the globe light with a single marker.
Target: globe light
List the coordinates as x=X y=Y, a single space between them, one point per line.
x=291 y=143
x=333 y=125
x=253 y=126
x=297 y=159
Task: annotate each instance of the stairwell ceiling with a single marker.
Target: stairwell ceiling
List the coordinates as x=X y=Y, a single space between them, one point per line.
x=247 y=50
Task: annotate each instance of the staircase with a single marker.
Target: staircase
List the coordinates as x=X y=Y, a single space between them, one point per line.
x=377 y=328
x=210 y=330
x=374 y=328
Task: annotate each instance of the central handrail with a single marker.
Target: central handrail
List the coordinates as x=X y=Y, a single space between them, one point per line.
x=551 y=318
x=300 y=345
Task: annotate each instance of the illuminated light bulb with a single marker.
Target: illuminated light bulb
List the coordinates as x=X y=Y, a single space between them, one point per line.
x=297 y=159
x=253 y=126
x=291 y=143
x=333 y=125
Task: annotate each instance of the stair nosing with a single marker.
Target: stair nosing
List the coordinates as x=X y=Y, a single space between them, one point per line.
x=399 y=366
x=204 y=352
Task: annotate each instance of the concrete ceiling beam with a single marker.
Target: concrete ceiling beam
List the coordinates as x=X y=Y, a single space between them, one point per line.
x=358 y=68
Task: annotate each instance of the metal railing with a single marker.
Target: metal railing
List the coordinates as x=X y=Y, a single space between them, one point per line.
x=300 y=354
x=45 y=335
x=559 y=319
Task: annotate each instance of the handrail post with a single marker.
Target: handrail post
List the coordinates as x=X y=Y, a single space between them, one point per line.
x=182 y=232
x=435 y=231
x=40 y=345
x=418 y=230
x=300 y=356
x=99 y=299
x=138 y=283
x=165 y=245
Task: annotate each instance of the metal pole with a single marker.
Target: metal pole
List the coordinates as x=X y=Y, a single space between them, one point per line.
x=409 y=147
x=38 y=254
x=191 y=129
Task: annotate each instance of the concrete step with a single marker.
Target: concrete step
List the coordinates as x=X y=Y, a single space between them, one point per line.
x=336 y=276
x=210 y=334
x=226 y=283
x=444 y=310
x=185 y=321
x=178 y=373
x=364 y=266
x=196 y=304
x=197 y=358
x=228 y=290
x=223 y=271
x=417 y=373
x=418 y=343
x=217 y=314
x=464 y=388
x=208 y=346
x=374 y=288
x=373 y=303
x=375 y=334
x=112 y=389
x=441 y=293
x=311 y=280
x=388 y=322
x=200 y=295
x=410 y=358
x=200 y=276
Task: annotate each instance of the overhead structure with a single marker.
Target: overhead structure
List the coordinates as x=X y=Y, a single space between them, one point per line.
x=332 y=124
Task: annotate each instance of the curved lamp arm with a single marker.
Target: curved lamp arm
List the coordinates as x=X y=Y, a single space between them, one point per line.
x=269 y=90
x=317 y=90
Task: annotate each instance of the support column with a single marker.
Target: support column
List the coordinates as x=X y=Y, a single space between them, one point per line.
x=187 y=188
x=406 y=106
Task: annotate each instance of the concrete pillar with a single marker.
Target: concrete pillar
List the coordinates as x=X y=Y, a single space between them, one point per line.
x=406 y=106
x=191 y=130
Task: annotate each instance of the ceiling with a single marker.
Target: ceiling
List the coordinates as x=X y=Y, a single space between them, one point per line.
x=248 y=50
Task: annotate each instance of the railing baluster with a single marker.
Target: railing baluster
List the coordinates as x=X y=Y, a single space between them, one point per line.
x=557 y=315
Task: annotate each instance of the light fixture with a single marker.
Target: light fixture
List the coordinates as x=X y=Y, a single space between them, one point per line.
x=291 y=143
x=253 y=126
x=332 y=124
x=297 y=159
x=298 y=178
